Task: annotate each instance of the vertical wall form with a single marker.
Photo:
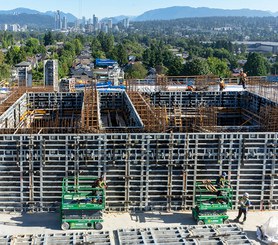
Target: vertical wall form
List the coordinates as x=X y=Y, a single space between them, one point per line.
x=90 y=114
x=51 y=73
x=143 y=171
x=153 y=118
x=15 y=114
x=269 y=118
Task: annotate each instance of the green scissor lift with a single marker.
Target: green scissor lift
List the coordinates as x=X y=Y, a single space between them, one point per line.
x=82 y=205
x=211 y=206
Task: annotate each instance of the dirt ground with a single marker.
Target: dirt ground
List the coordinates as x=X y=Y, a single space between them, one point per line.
x=40 y=223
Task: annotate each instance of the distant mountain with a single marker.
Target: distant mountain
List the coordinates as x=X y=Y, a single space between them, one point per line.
x=18 y=11
x=31 y=20
x=117 y=19
x=46 y=20
x=70 y=17
x=184 y=12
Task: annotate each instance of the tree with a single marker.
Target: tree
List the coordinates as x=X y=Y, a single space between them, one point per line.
x=136 y=70
x=78 y=46
x=48 y=39
x=7 y=39
x=147 y=57
x=96 y=49
x=121 y=55
x=37 y=73
x=196 y=67
x=32 y=46
x=2 y=57
x=218 y=67
x=222 y=54
x=106 y=42
x=4 y=71
x=15 y=55
x=274 y=68
x=175 y=68
x=256 y=65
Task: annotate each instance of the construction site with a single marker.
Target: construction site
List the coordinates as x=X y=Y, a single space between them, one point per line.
x=149 y=142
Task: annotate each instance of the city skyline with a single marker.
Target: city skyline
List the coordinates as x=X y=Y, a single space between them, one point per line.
x=111 y=8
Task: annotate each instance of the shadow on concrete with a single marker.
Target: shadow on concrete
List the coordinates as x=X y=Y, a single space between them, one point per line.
x=253 y=236
x=44 y=220
x=178 y=218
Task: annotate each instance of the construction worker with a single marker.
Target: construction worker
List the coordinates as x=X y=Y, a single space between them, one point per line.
x=221 y=84
x=244 y=204
x=100 y=183
x=221 y=180
x=242 y=79
x=190 y=88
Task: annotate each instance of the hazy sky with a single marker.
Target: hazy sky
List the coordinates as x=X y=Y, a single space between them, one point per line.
x=109 y=8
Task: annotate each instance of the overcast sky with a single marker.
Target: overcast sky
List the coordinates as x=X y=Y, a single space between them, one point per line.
x=110 y=8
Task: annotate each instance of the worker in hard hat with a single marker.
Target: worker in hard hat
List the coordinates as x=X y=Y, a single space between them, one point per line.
x=242 y=79
x=100 y=183
x=221 y=180
x=244 y=204
x=221 y=84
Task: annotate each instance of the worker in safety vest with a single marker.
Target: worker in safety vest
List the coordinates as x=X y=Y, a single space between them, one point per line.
x=242 y=79
x=221 y=180
x=244 y=204
x=221 y=84
x=100 y=183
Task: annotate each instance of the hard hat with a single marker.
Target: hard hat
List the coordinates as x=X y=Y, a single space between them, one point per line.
x=224 y=174
x=246 y=194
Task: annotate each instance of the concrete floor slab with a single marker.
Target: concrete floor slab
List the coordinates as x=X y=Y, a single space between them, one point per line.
x=41 y=223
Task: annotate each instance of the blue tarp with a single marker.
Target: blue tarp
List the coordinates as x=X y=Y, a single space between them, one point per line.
x=82 y=85
x=104 y=84
x=272 y=78
x=105 y=62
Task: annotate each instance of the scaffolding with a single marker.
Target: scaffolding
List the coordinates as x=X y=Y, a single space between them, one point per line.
x=264 y=88
x=268 y=117
x=153 y=117
x=90 y=114
x=167 y=142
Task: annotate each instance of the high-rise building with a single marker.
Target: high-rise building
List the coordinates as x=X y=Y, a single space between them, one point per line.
x=4 y=27
x=51 y=73
x=13 y=27
x=64 y=23
x=126 y=22
x=77 y=23
x=58 y=20
x=83 y=21
x=95 y=22
x=110 y=23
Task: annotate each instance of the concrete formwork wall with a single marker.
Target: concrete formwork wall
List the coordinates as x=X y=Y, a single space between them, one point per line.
x=143 y=171
x=55 y=100
x=232 y=99
x=11 y=117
